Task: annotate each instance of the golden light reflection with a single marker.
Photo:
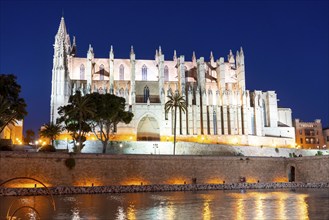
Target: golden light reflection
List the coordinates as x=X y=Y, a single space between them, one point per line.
x=170 y=211
x=281 y=204
x=206 y=210
x=302 y=206
x=131 y=212
x=240 y=210
x=259 y=208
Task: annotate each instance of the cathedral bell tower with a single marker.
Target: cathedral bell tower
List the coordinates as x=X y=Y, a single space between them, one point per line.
x=60 y=84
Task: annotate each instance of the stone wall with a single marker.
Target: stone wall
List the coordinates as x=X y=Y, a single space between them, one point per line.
x=99 y=169
x=188 y=148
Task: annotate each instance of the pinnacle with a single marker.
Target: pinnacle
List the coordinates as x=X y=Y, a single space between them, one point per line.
x=62 y=28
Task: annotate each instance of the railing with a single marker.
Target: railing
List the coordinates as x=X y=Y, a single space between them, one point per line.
x=153 y=99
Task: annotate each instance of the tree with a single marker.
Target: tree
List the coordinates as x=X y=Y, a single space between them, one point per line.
x=29 y=136
x=12 y=107
x=109 y=111
x=174 y=102
x=50 y=131
x=75 y=116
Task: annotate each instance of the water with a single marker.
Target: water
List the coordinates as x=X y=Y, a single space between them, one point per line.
x=240 y=205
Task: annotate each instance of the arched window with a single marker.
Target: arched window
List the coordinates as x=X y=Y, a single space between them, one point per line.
x=144 y=72
x=82 y=71
x=121 y=72
x=210 y=99
x=166 y=74
x=215 y=122
x=146 y=93
x=121 y=92
x=101 y=72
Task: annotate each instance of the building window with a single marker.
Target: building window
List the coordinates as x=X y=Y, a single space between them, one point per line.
x=146 y=93
x=101 y=72
x=82 y=71
x=215 y=122
x=301 y=140
x=309 y=132
x=166 y=74
x=300 y=132
x=327 y=138
x=121 y=72
x=121 y=92
x=144 y=72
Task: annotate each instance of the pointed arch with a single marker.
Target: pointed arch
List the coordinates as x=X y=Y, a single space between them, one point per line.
x=146 y=93
x=215 y=122
x=144 y=72
x=121 y=72
x=82 y=72
x=121 y=92
x=166 y=73
x=101 y=72
x=210 y=97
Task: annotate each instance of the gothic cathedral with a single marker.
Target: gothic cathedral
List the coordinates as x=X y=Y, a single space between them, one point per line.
x=219 y=108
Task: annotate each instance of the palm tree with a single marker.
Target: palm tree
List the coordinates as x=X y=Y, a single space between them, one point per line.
x=174 y=102
x=50 y=131
x=79 y=110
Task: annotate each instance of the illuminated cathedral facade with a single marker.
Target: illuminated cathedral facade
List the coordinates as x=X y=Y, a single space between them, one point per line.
x=219 y=108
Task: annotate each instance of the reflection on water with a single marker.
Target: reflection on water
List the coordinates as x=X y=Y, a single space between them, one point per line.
x=284 y=204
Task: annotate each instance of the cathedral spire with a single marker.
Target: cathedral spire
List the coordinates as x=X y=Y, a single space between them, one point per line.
x=74 y=47
x=160 y=51
x=241 y=52
x=132 y=50
x=193 y=58
x=237 y=57
x=111 y=53
x=175 y=56
x=62 y=28
x=211 y=57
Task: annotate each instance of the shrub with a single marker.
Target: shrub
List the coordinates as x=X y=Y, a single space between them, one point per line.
x=70 y=163
x=5 y=148
x=319 y=153
x=277 y=150
x=47 y=148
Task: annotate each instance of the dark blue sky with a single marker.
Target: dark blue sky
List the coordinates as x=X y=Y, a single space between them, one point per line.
x=285 y=43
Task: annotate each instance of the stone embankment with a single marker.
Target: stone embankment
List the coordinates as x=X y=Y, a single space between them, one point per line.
x=64 y=190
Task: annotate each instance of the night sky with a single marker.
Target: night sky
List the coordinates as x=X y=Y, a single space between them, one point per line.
x=285 y=43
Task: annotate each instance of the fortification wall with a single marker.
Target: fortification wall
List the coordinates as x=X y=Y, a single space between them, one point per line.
x=189 y=148
x=99 y=169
